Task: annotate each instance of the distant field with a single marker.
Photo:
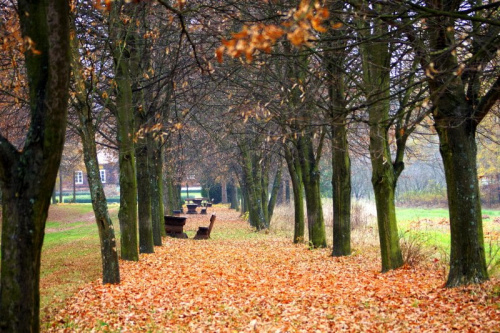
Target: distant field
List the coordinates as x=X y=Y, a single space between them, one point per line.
x=192 y=194
x=408 y=214
x=85 y=198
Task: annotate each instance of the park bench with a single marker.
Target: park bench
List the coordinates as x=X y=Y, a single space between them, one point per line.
x=204 y=232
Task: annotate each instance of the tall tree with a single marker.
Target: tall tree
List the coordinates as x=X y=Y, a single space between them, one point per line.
x=86 y=129
x=376 y=60
x=125 y=57
x=295 y=172
x=27 y=176
x=335 y=59
x=460 y=56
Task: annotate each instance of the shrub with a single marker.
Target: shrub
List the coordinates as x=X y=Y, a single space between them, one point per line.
x=492 y=253
x=414 y=247
x=359 y=215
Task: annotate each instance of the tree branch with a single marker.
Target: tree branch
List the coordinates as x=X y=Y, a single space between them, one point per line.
x=457 y=15
x=487 y=101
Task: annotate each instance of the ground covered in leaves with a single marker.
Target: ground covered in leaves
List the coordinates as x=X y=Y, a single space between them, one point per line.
x=243 y=281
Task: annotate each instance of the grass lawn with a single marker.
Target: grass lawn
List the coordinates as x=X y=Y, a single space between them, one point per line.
x=411 y=214
x=431 y=227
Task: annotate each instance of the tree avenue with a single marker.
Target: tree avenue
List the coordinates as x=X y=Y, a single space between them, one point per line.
x=242 y=96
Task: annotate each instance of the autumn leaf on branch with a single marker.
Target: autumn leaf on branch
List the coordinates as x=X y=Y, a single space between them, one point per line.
x=300 y=28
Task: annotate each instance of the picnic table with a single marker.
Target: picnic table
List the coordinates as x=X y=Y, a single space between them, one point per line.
x=197 y=201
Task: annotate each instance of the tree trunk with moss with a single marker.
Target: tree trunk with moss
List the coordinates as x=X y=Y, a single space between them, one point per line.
x=233 y=196
x=311 y=179
x=457 y=145
x=341 y=185
x=252 y=173
x=341 y=163
x=125 y=59
x=461 y=101
x=156 y=166
x=27 y=177
x=146 y=244
x=87 y=132
x=376 y=59
x=274 y=191
x=298 y=196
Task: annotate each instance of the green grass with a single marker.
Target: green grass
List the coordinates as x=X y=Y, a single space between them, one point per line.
x=412 y=214
x=436 y=236
x=79 y=231
x=85 y=198
x=192 y=194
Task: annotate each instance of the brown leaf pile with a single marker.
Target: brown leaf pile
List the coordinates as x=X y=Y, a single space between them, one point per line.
x=267 y=284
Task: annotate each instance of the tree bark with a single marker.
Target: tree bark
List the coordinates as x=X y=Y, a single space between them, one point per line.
x=461 y=101
x=253 y=186
x=341 y=184
x=376 y=58
x=156 y=163
x=27 y=177
x=224 y=192
x=146 y=244
x=274 y=192
x=311 y=180
x=341 y=163
x=109 y=255
x=457 y=145
x=122 y=56
x=298 y=196
x=86 y=131
x=384 y=186
x=233 y=196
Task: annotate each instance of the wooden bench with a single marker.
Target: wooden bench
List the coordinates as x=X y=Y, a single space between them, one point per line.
x=204 y=232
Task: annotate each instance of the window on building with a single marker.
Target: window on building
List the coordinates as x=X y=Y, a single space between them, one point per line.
x=102 y=173
x=78 y=177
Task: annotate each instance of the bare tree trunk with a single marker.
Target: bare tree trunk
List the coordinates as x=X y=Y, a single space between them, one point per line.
x=253 y=186
x=27 y=177
x=146 y=244
x=311 y=181
x=86 y=130
x=298 y=196
x=274 y=192
x=156 y=164
x=467 y=256
x=376 y=59
x=341 y=184
x=60 y=186
x=224 y=192
x=124 y=63
x=341 y=163
x=461 y=102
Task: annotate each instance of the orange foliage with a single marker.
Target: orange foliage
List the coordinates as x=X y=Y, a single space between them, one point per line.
x=300 y=29
x=267 y=284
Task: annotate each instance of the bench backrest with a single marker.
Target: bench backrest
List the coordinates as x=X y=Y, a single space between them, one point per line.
x=212 y=221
